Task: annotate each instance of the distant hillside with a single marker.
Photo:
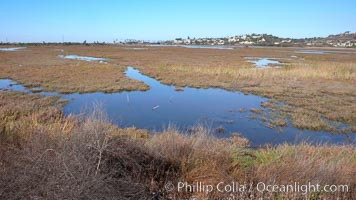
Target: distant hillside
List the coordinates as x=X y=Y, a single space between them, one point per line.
x=346 y=39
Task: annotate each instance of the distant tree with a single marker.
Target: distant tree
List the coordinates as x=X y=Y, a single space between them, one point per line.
x=85 y=42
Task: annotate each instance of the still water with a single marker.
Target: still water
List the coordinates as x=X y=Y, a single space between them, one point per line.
x=162 y=105
x=85 y=58
x=12 y=48
x=263 y=62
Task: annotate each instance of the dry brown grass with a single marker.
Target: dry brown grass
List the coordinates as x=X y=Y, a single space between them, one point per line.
x=306 y=163
x=20 y=113
x=67 y=158
x=202 y=158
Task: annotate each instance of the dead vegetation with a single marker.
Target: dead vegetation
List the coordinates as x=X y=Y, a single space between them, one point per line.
x=56 y=157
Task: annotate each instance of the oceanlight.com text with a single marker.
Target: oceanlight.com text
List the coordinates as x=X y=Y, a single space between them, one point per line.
x=236 y=187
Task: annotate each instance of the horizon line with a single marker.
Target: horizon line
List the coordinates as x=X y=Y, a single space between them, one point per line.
x=162 y=40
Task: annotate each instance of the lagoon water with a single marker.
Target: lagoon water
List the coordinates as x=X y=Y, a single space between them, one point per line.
x=85 y=58
x=263 y=62
x=12 y=48
x=214 y=108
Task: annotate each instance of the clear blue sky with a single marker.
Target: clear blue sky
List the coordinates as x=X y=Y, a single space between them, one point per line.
x=105 y=20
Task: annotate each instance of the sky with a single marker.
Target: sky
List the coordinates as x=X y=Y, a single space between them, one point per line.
x=107 y=20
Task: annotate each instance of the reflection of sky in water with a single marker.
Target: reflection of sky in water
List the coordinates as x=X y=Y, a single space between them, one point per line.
x=211 y=107
x=262 y=62
x=12 y=48
x=85 y=58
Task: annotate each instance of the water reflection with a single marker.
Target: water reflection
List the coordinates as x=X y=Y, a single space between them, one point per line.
x=263 y=62
x=162 y=105
x=85 y=58
x=12 y=48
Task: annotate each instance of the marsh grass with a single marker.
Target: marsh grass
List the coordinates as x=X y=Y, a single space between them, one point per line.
x=72 y=79
x=20 y=113
x=318 y=86
x=41 y=67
